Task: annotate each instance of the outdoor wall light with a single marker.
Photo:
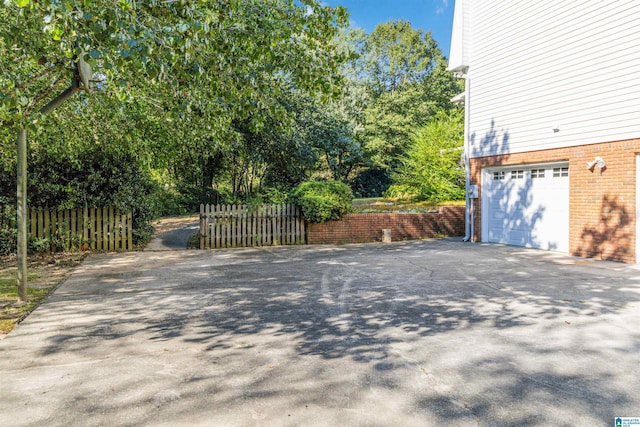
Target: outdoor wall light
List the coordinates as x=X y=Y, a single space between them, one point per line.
x=597 y=162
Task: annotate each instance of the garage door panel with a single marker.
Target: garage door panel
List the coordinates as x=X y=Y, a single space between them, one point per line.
x=528 y=207
x=518 y=237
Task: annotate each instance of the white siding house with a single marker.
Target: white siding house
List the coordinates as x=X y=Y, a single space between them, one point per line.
x=551 y=84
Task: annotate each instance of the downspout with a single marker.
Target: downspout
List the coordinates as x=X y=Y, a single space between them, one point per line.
x=468 y=217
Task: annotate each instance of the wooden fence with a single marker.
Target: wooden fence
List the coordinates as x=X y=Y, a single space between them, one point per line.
x=103 y=229
x=229 y=226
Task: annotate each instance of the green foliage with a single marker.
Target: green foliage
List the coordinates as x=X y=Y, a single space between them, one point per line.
x=275 y=196
x=432 y=168
x=229 y=100
x=8 y=240
x=168 y=203
x=9 y=243
x=234 y=53
x=186 y=87
x=94 y=176
x=326 y=128
x=370 y=182
x=398 y=55
x=322 y=201
x=188 y=198
x=39 y=245
x=61 y=239
x=8 y=230
x=407 y=82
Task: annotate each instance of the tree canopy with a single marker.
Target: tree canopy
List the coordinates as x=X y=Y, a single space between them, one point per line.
x=220 y=57
x=180 y=74
x=407 y=81
x=208 y=102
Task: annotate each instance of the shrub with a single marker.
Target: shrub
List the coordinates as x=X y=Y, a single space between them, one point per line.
x=275 y=195
x=432 y=168
x=8 y=241
x=93 y=176
x=8 y=231
x=322 y=201
x=400 y=192
x=39 y=245
x=166 y=202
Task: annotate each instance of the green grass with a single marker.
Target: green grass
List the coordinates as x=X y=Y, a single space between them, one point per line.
x=368 y=201
x=8 y=286
x=45 y=273
x=382 y=205
x=12 y=312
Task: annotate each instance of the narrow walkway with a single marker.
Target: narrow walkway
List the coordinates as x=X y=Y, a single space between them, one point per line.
x=173 y=233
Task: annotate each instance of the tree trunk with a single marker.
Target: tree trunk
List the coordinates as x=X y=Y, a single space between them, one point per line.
x=208 y=173
x=22 y=215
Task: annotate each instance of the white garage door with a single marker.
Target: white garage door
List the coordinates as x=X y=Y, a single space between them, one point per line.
x=527 y=206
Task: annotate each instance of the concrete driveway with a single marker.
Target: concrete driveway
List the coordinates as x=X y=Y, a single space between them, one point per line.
x=420 y=333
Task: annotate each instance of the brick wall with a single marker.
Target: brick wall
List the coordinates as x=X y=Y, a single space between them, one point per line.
x=361 y=228
x=602 y=206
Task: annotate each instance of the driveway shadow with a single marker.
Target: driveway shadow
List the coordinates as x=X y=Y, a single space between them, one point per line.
x=412 y=333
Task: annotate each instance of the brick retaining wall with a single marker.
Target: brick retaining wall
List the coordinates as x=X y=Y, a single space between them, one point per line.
x=367 y=227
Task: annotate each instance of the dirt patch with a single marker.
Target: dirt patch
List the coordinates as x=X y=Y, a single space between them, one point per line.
x=45 y=273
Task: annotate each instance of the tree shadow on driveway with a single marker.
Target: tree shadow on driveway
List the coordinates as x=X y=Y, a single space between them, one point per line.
x=411 y=333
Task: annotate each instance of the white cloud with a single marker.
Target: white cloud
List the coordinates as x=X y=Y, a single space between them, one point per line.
x=441 y=6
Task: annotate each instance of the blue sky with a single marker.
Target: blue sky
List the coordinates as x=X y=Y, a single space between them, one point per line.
x=429 y=15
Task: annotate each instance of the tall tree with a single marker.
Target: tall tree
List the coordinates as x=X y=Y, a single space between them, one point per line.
x=327 y=128
x=407 y=81
x=398 y=55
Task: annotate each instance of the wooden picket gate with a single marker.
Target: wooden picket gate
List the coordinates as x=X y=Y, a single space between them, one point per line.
x=230 y=226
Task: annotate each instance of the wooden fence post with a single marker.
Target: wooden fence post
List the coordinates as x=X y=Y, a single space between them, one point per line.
x=202 y=226
x=73 y=230
x=130 y=230
x=218 y=221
